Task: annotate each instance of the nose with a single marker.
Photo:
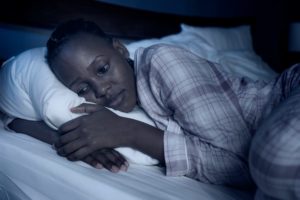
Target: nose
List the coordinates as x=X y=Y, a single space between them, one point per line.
x=102 y=88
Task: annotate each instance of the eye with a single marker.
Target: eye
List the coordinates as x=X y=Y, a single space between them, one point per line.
x=83 y=90
x=102 y=70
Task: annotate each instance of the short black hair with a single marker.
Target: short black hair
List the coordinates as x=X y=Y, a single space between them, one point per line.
x=66 y=30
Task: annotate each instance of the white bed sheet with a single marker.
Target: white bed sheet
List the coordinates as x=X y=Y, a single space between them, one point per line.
x=43 y=175
x=9 y=190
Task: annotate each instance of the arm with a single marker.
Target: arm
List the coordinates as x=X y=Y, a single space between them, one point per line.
x=36 y=129
x=81 y=136
x=107 y=158
x=147 y=139
x=206 y=137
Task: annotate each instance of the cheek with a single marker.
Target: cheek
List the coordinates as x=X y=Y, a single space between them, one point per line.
x=131 y=81
x=131 y=87
x=95 y=100
x=91 y=98
x=128 y=75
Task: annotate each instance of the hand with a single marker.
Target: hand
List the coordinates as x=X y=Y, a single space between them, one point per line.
x=86 y=108
x=85 y=134
x=110 y=159
x=93 y=162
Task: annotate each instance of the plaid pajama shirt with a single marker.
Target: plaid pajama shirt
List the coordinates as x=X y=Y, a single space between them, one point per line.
x=274 y=154
x=208 y=116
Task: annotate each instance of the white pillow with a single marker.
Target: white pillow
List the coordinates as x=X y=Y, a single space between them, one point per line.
x=230 y=47
x=29 y=90
x=221 y=38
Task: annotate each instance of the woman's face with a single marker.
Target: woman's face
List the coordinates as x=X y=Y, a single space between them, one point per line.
x=98 y=71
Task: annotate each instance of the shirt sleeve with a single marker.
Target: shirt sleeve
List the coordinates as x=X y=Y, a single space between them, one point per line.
x=207 y=137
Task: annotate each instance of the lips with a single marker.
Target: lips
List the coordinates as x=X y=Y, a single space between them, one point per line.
x=117 y=100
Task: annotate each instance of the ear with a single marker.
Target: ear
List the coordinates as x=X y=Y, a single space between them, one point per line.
x=120 y=47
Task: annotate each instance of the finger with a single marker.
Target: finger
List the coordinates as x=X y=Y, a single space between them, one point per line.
x=122 y=162
x=116 y=158
x=91 y=161
x=80 y=153
x=125 y=163
x=70 y=149
x=119 y=155
x=99 y=165
x=69 y=126
x=87 y=108
x=106 y=162
x=67 y=138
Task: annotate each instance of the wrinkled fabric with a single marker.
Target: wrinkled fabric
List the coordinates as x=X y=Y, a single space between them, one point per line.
x=274 y=155
x=208 y=116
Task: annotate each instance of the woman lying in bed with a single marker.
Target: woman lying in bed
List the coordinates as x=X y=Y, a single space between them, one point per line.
x=205 y=117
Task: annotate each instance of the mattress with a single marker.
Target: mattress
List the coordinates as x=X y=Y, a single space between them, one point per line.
x=35 y=171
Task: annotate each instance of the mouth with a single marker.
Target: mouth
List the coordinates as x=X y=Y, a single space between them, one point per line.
x=117 y=100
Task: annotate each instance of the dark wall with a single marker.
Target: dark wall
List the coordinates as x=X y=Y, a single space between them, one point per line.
x=270 y=31
x=273 y=29
x=204 y=8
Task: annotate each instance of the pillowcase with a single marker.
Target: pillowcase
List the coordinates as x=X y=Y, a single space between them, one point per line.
x=29 y=90
x=234 y=38
x=230 y=47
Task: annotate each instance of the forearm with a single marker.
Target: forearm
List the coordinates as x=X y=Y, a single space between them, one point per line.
x=36 y=129
x=146 y=138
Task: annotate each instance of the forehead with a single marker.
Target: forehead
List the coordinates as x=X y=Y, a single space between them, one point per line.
x=78 y=53
x=85 y=44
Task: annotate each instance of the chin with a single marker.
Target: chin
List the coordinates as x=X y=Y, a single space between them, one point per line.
x=127 y=108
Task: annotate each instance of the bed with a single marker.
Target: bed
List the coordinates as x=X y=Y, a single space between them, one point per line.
x=30 y=169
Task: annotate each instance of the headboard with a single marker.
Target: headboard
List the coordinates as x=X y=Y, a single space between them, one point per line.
x=269 y=31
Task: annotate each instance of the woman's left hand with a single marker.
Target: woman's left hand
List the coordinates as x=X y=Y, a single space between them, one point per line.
x=86 y=134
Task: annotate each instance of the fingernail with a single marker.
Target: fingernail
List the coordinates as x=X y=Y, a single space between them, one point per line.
x=98 y=166
x=114 y=169
x=124 y=168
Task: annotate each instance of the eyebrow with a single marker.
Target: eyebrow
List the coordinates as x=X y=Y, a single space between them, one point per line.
x=94 y=60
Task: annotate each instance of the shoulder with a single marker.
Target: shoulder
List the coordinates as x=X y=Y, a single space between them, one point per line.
x=166 y=47
x=161 y=50
x=162 y=56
